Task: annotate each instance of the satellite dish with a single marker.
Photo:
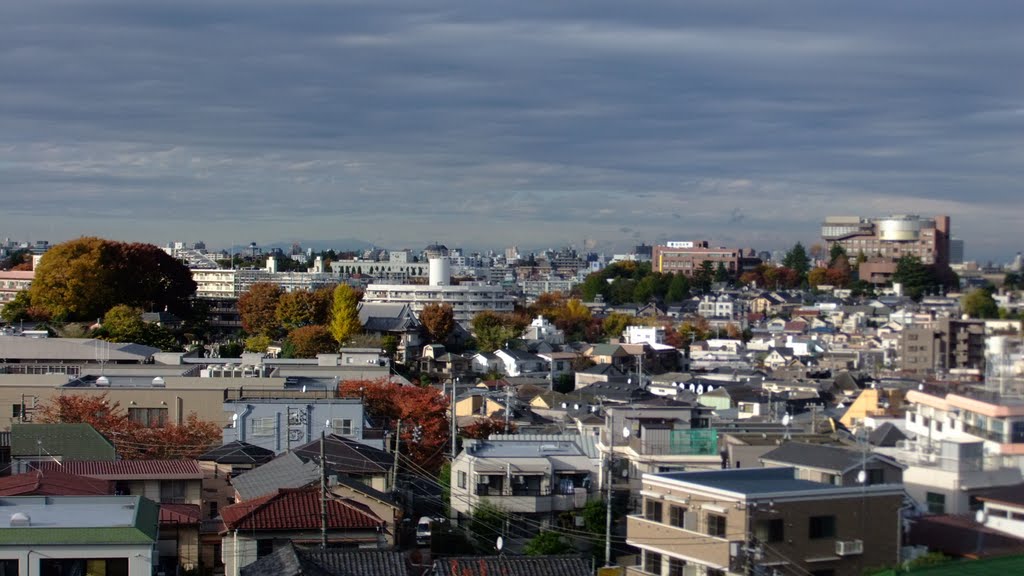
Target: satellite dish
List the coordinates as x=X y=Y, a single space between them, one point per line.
x=625 y=432
x=303 y=388
x=500 y=543
x=327 y=423
x=575 y=406
x=709 y=388
x=234 y=417
x=920 y=387
x=862 y=477
x=786 y=420
x=700 y=388
x=980 y=516
x=564 y=405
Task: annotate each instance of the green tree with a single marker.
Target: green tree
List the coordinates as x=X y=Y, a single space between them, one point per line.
x=123 y=323
x=493 y=330
x=302 y=308
x=615 y=324
x=1013 y=281
x=704 y=276
x=835 y=252
x=547 y=543
x=308 y=341
x=438 y=321
x=258 y=343
x=798 y=260
x=258 y=309
x=915 y=277
x=18 y=308
x=486 y=525
x=389 y=343
x=722 y=274
x=678 y=288
x=645 y=289
x=345 y=313
x=978 y=303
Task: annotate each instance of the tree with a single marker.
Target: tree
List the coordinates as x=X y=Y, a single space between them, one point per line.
x=345 y=313
x=493 y=330
x=303 y=308
x=915 y=277
x=486 y=525
x=722 y=274
x=1013 y=281
x=484 y=427
x=978 y=303
x=817 y=276
x=704 y=276
x=133 y=440
x=615 y=324
x=258 y=343
x=123 y=323
x=547 y=543
x=17 y=309
x=796 y=259
x=438 y=321
x=678 y=288
x=835 y=252
x=257 y=308
x=309 y=341
x=573 y=319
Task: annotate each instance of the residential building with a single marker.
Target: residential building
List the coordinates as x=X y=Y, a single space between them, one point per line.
x=835 y=464
x=506 y=565
x=14 y=281
x=35 y=443
x=280 y=424
x=53 y=483
x=1004 y=510
x=538 y=478
x=520 y=363
x=944 y=346
x=115 y=535
x=291 y=560
x=397 y=320
x=688 y=257
x=762 y=519
x=542 y=329
x=256 y=528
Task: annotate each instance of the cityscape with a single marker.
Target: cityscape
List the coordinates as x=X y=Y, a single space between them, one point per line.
x=462 y=288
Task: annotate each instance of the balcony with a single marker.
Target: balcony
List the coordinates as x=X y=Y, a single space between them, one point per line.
x=531 y=499
x=670 y=539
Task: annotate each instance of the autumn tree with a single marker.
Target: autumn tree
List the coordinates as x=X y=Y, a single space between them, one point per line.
x=817 y=276
x=423 y=412
x=438 y=321
x=345 y=313
x=257 y=308
x=573 y=319
x=17 y=309
x=308 y=341
x=258 y=343
x=303 y=308
x=484 y=427
x=615 y=324
x=133 y=440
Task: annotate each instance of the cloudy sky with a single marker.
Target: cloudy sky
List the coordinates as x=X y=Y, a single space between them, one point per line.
x=481 y=123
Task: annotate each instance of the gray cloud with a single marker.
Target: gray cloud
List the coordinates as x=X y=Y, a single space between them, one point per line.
x=484 y=124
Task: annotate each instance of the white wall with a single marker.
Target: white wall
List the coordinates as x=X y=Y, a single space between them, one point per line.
x=141 y=558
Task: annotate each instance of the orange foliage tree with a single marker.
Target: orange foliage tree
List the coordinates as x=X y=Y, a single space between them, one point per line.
x=483 y=428
x=423 y=412
x=133 y=440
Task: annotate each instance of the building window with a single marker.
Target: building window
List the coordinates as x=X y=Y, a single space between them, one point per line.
x=148 y=417
x=462 y=479
x=652 y=510
x=998 y=513
x=716 y=525
x=677 y=516
x=264 y=548
x=652 y=562
x=263 y=427
x=714 y=572
x=876 y=476
x=213 y=509
x=772 y=530
x=16 y=413
x=676 y=567
x=936 y=503
x=822 y=527
x=342 y=426
x=173 y=491
x=9 y=567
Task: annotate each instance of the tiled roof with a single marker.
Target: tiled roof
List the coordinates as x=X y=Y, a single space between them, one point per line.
x=238 y=452
x=129 y=469
x=285 y=471
x=69 y=441
x=53 y=483
x=180 y=515
x=288 y=560
x=512 y=566
x=347 y=456
x=298 y=509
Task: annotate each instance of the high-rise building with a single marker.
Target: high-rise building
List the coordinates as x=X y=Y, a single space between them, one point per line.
x=688 y=257
x=956 y=251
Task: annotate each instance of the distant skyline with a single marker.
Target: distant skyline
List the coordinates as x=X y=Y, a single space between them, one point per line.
x=489 y=124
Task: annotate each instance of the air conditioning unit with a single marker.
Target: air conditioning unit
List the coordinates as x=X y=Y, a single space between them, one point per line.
x=849 y=547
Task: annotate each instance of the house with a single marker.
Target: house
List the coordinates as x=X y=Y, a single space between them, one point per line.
x=542 y=329
x=835 y=465
x=599 y=373
x=255 y=528
x=512 y=566
x=53 y=483
x=280 y=424
x=559 y=363
x=351 y=459
x=176 y=485
x=291 y=560
x=755 y=520
x=613 y=354
x=520 y=363
x=78 y=535
x=396 y=320
x=486 y=363
x=536 y=478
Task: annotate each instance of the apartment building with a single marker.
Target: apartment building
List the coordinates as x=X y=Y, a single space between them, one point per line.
x=756 y=520
x=14 y=281
x=280 y=424
x=687 y=257
x=945 y=345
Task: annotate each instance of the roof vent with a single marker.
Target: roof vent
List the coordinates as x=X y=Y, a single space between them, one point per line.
x=20 y=519
x=103 y=381
x=158 y=381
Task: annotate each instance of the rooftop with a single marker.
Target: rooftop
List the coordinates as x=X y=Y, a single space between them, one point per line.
x=128 y=469
x=754 y=482
x=79 y=520
x=525 y=448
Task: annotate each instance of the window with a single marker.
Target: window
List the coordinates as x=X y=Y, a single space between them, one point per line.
x=16 y=413
x=936 y=503
x=342 y=426
x=677 y=516
x=263 y=427
x=173 y=491
x=714 y=572
x=830 y=479
x=876 y=476
x=264 y=548
x=149 y=417
x=716 y=525
x=771 y=530
x=652 y=562
x=213 y=509
x=652 y=510
x=822 y=527
x=218 y=553
x=9 y=567
x=462 y=479
x=998 y=513
x=676 y=567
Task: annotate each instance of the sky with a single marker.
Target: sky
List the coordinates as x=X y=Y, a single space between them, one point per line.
x=484 y=124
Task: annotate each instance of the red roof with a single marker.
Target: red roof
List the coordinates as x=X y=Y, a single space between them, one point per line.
x=53 y=483
x=179 y=514
x=129 y=469
x=298 y=509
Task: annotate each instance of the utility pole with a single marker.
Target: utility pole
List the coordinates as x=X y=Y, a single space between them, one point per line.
x=508 y=403
x=453 y=423
x=323 y=490
x=398 y=444
x=608 y=507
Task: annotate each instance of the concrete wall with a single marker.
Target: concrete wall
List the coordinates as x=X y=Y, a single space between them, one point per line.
x=141 y=558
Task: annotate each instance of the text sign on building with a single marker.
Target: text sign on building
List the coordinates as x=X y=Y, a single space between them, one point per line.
x=680 y=244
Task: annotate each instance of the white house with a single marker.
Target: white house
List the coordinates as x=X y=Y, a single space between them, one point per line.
x=520 y=363
x=645 y=335
x=542 y=329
